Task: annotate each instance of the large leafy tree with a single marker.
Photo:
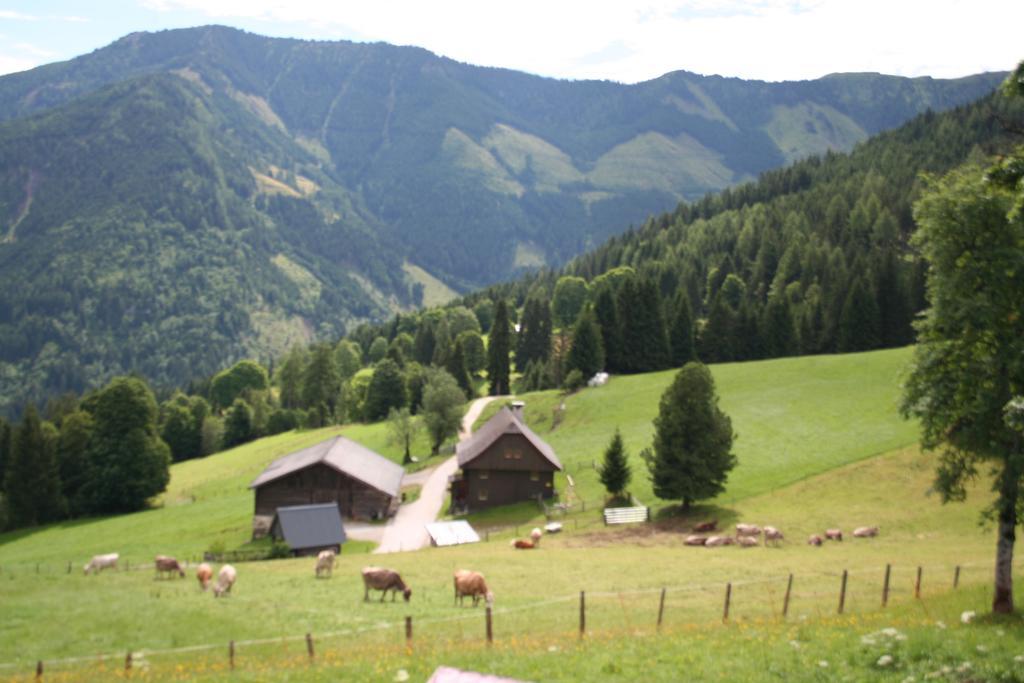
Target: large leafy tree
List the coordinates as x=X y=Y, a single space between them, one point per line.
x=568 y=298
x=239 y=424
x=967 y=381
x=498 y=347
x=73 y=457
x=402 y=430
x=386 y=391
x=321 y=383
x=693 y=439
x=229 y=384
x=442 y=407
x=128 y=461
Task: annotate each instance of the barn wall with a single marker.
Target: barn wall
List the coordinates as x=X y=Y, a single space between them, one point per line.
x=511 y=452
x=322 y=484
x=487 y=488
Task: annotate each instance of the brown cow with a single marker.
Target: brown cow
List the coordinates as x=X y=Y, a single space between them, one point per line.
x=203 y=574
x=865 y=531
x=714 y=541
x=384 y=580
x=705 y=527
x=815 y=539
x=772 y=534
x=746 y=541
x=694 y=539
x=833 y=534
x=168 y=565
x=472 y=584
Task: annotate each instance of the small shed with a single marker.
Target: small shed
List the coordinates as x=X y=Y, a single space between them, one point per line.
x=452 y=533
x=504 y=462
x=362 y=483
x=308 y=529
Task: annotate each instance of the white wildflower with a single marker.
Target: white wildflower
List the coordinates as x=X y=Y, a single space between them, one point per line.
x=884 y=660
x=1000 y=632
x=940 y=624
x=401 y=676
x=946 y=669
x=964 y=668
x=867 y=640
x=823 y=664
x=552 y=648
x=909 y=679
x=901 y=636
x=968 y=616
x=795 y=644
x=889 y=631
x=1019 y=659
x=982 y=649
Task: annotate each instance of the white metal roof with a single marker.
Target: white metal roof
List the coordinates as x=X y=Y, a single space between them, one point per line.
x=452 y=533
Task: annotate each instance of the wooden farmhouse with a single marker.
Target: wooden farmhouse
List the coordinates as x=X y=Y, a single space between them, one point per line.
x=362 y=483
x=504 y=462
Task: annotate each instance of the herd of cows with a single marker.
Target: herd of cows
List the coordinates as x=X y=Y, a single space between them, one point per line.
x=168 y=566
x=747 y=535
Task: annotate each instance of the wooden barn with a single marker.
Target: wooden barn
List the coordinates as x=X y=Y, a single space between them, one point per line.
x=363 y=484
x=504 y=462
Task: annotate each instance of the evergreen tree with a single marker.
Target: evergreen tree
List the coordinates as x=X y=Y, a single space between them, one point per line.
x=424 y=343
x=893 y=302
x=484 y=312
x=615 y=472
x=128 y=461
x=534 y=339
x=858 y=323
x=238 y=424
x=692 y=441
x=611 y=329
x=778 y=334
x=73 y=458
x=348 y=358
x=378 y=349
x=386 y=391
x=586 y=353
x=5 y=449
x=33 y=477
x=456 y=367
x=681 y=341
x=321 y=383
x=498 y=350
x=442 y=344
x=719 y=333
x=474 y=350
x=645 y=340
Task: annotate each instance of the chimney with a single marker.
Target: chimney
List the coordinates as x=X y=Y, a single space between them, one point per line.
x=517 y=410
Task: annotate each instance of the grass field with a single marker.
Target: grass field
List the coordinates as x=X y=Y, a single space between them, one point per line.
x=808 y=430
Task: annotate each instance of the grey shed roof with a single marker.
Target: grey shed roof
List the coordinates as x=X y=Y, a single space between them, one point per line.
x=503 y=422
x=310 y=526
x=344 y=455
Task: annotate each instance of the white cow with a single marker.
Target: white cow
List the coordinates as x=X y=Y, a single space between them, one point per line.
x=100 y=562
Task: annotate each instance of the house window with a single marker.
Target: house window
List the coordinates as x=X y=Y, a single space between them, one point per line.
x=482 y=495
x=534 y=476
x=513 y=455
x=485 y=475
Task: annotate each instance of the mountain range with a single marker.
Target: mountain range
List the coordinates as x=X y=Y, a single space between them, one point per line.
x=181 y=199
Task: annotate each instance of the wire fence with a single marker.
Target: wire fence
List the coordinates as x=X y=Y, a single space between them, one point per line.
x=629 y=610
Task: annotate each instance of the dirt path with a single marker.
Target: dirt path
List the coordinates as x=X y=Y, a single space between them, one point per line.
x=406 y=530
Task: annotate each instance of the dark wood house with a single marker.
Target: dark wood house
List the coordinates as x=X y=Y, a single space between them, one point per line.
x=504 y=462
x=363 y=484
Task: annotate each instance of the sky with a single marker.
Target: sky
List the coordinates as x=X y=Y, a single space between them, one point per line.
x=617 y=40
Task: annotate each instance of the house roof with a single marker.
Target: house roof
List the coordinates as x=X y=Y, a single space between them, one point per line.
x=452 y=533
x=503 y=422
x=310 y=526
x=344 y=455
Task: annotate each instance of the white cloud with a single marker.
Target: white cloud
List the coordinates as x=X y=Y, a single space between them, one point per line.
x=767 y=39
x=11 y=64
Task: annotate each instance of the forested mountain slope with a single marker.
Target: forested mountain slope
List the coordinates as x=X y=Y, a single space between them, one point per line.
x=178 y=200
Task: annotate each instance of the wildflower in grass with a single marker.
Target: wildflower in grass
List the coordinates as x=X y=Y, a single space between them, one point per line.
x=981 y=648
x=909 y=679
x=401 y=676
x=868 y=640
x=884 y=660
x=795 y=644
x=552 y=648
x=823 y=663
x=967 y=617
x=889 y=631
x=964 y=668
x=1000 y=632
x=940 y=624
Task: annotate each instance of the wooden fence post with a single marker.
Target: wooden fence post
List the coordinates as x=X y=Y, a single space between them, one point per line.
x=728 y=599
x=917 y=584
x=231 y=655
x=583 y=613
x=785 y=601
x=128 y=662
x=309 y=645
x=885 y=585
x=842 y=593
x=956 y=577
x=69 y=567
x=39 y=670
x=661 y=608
x=490 y=628
x=408 y=630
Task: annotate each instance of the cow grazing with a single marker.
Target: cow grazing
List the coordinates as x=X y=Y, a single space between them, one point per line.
x=772 y=534
x=325 y=563
x=746 y=541
x=705 y=527
x=225 y=580
x=865 y=532
x=168 y=566
x=748 y=530
x=714 y=541
x=384 y=580
x=532 y=542
x=100 y=562
x=815 y=539
x=472 y=583
x=833 y=534
x=203 y=574
x=694 y=539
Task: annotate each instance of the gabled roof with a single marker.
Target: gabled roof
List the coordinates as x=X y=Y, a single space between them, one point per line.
x=310 y=526
x=503 y=422
x=344 y=455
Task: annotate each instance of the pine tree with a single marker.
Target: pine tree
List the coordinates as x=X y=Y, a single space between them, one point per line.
x=587 y=352
x=238 y=424
x=534 y=338
x=5 y=449
x=719 y=334
x=424 y=343
x=858 y=323
x=611 y=329
x=693 y=439
x=498 y=350
x=321 y=383
x=289 y=378
x=456 y=367
x=615 y=472
x=73 y=457
x=386 y=391
x=33 y=478
x=778 y=335
x=681 y=340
